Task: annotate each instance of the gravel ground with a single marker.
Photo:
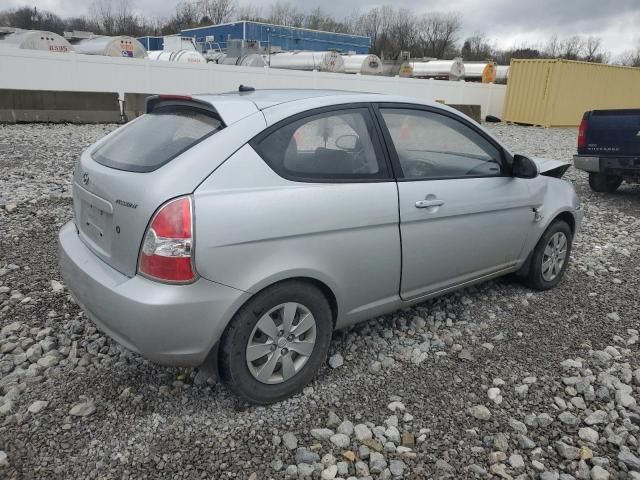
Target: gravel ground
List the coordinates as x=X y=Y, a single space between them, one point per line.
x=493 y=381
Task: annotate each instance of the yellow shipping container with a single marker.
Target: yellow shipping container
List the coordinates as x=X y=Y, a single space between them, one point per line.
x=555 y=93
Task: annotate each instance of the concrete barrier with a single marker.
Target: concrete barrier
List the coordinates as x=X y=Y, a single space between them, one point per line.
x=35 y=70
x=473 y=111
x=134 y=104
x=18 y=106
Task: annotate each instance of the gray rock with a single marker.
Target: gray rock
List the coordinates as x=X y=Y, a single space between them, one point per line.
x=544 y=420
x=377 y=462
x=567 y=451
x=83 y=409
x=629 y=459
x=48 y=361
x=290 y=441
x=599 y=473
x=526 y=443
x=516 y=461
x=549 y=476
x=292 y=471
x=346 y=428
x=340 y=440
x=517 y=425
x=362 y=469
x=569 y=419
x=624 y=399
x=393 y=434
x=362 y=432
x=57 y=287
x=305 y=470
x=3 y=459
x=336 y=361
x=597 y=417
x=397 y=467
x=444 y=467
x=333 y=420
x=396 y=406
x=329 y=473
x=304 y=456
x=500 y=442
x=588 y=435
x=37 y=406
x=480 y=412
x=321 y=433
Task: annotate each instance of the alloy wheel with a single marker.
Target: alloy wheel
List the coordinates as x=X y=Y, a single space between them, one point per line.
x=281 y=343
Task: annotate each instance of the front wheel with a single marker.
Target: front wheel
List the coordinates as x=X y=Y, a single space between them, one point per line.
x=276 y=343
x=550 y=258
x=599 y=182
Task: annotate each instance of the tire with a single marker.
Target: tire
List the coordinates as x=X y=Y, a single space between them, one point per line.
x=240 y=371
x=538 y=276
x=599 y=182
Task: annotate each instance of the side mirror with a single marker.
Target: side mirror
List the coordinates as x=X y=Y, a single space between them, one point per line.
x=524 y=167
x=347 y=142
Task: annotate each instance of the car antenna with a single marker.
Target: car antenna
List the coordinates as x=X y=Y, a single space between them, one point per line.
x=246 y=88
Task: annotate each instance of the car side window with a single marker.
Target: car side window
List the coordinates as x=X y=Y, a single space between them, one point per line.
x=335 y=145
x=434 y=146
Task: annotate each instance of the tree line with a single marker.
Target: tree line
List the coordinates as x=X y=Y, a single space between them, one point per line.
x=392 y=30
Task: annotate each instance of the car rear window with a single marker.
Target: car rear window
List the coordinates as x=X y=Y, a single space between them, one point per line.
x=156 y=138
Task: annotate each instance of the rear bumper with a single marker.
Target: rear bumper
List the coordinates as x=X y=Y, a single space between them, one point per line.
x=168 y=324
x=622 y=166
x=588 y=164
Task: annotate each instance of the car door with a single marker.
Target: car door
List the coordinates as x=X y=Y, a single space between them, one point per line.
x=311 y=196
x=462 y=215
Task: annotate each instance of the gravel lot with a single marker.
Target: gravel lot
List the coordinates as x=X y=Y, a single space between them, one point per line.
x=494 y=381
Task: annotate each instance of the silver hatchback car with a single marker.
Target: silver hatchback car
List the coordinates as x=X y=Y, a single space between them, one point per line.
x=239 y=230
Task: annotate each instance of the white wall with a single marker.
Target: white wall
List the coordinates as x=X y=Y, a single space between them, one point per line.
x=34 y=70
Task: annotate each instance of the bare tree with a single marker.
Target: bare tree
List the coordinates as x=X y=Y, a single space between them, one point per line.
x=285 y=14
x=186 y=16
x=593 y=50
x=217 y=11
x=571 y=48
x=477 y=47
x=249 y=12
x=370 y=25
x=552 y=47
x=630 y=58
x=438 y=33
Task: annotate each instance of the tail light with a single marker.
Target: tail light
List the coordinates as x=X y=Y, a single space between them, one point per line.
x=167 y=251
x=582 y=135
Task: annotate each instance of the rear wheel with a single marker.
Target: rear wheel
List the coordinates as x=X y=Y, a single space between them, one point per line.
x=599 y=182
x=550 y=258
x=276 y=343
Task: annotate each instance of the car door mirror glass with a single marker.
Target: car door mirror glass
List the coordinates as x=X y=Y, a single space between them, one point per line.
x=524 y=167
x=347 y=142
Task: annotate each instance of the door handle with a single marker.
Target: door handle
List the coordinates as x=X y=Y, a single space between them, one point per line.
x=429 y=203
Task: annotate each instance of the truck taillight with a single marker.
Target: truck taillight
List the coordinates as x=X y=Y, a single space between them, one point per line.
x=167 y=250
x=582 y=135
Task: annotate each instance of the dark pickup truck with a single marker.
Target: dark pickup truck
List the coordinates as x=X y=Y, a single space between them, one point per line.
x=609 y=148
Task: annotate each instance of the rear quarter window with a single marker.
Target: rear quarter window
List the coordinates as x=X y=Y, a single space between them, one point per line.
x=156 y=138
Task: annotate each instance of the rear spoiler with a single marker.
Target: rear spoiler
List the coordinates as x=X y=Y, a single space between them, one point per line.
x=155 y=101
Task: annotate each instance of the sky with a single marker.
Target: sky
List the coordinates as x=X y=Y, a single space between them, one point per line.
x=507 y=23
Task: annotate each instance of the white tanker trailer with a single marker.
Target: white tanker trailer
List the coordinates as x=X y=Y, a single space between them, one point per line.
x=181 y=56
x=362 y=64
x=121 y=46
x=437 y=69
x=33 y=40
x=304 y=60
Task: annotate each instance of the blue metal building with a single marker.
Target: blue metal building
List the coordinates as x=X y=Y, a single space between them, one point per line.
x=287 y=38
x=151 y=43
